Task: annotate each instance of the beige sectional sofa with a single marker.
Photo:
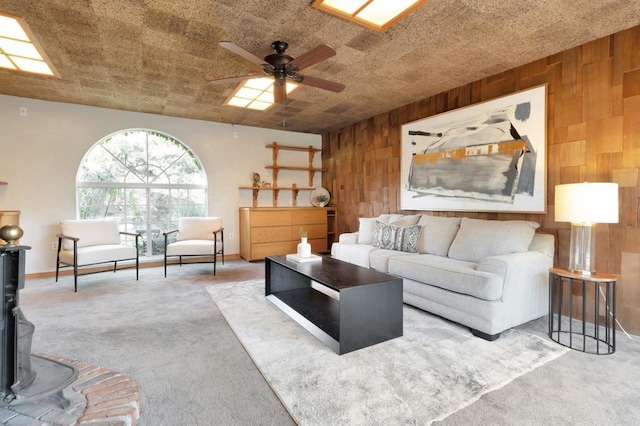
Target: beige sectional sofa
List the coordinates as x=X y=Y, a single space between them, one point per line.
x=487 y=275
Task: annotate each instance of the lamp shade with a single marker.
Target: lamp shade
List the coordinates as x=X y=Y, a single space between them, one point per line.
x=587 y=203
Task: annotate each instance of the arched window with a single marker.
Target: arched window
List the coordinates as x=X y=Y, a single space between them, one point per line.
x=145 y=179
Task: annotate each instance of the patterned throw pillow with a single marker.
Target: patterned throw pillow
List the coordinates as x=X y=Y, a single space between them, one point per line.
x=391 y=237
x=384 y=236
x=408 y=238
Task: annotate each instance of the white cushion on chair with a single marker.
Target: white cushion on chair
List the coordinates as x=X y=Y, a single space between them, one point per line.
x=192 y=248
x=198 y=228
x=91 y=232
x=99 y=254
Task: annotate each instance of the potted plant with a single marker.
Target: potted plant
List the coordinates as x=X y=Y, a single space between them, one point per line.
x=304 y=248
x=322 y=200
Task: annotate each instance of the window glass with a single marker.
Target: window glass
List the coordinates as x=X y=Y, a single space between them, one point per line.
x=145 y=179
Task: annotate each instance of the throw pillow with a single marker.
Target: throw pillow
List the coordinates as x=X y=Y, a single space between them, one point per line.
x=384 y=236
x=408 y=238
x=366 y=230
x=438 y=233
x=392 y=237
x=479 y=238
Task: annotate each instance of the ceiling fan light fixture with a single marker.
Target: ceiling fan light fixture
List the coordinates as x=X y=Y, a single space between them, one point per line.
x=19 y=49
x=255 y=93
x=377 y=15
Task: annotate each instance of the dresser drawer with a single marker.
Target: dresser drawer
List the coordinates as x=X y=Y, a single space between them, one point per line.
x=272 y=218
x=270 y=234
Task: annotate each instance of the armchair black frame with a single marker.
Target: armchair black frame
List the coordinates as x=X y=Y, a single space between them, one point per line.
x=60 y=264
x=216 y=251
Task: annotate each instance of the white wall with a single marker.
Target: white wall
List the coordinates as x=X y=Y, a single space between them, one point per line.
x=40 y=155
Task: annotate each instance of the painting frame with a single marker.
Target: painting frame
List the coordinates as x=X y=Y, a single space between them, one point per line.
x=486 y=157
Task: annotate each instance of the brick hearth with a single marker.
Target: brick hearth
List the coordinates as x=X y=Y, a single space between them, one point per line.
x=97 y=397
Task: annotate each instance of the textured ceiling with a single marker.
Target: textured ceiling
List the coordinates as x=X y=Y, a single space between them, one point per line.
x=155 y=56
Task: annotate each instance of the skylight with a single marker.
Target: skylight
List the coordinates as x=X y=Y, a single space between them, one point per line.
x=256 y=93
x=19 y=50
x=377 y=15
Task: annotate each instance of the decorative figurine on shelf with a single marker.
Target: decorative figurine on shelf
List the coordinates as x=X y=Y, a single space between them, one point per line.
x=266 y=184
x=256 y=179
x=319 y=197
x=322 y=200
x=11 y=234
x=304 y=248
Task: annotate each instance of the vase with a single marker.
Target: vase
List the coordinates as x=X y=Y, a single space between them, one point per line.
x=304 y=248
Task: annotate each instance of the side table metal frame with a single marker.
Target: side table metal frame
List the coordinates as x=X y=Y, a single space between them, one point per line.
x=598 y=335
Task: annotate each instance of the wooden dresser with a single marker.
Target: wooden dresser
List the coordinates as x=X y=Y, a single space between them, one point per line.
x=266 y=231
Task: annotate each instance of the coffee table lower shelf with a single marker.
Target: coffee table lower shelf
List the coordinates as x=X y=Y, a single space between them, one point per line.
x=315 y=312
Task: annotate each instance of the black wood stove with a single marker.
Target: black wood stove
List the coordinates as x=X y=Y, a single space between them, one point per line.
x=24 y=377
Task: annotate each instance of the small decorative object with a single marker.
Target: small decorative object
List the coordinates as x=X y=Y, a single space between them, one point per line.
x=266 y=184
x=304 y=248
x=256 y=179
x=11 y=234
x=319 y=197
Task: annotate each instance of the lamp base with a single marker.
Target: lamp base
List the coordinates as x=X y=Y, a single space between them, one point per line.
x=582 y=250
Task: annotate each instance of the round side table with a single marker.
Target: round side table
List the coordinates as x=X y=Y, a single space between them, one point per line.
x=582 y=311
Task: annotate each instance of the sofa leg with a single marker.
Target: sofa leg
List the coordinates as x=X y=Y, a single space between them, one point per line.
x=485 y=336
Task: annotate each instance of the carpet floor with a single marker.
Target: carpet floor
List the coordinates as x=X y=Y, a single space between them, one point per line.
x=434 y=369
x=170 y=337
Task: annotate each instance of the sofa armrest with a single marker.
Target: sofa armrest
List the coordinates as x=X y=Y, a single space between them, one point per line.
x=525 y=290
x=349 y=238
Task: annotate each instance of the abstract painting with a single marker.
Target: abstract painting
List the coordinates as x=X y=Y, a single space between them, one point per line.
x=486 y=157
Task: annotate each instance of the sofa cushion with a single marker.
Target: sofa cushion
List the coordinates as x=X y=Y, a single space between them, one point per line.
x=357 y=254
x=458 y=276
x=477 y=238
x=379 y=258
x=389 y=218
x=366 y=230
x=437 y=234
x=407 y=220
x=392 y=237
x=91 y=232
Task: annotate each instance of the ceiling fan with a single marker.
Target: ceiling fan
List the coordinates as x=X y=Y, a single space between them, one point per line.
x=282 y=67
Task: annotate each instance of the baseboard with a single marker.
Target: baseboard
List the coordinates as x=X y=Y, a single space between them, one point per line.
x=126 y=265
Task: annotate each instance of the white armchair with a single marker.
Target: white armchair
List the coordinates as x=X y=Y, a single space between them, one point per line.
x=195 y=236
x=87 y=242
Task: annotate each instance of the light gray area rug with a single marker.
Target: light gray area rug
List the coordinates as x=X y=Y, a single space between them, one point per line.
x=435 y=369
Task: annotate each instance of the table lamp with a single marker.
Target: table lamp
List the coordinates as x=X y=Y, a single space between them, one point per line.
x=585 y=205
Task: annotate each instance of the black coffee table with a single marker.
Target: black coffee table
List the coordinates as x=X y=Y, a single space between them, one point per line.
x=345 y=306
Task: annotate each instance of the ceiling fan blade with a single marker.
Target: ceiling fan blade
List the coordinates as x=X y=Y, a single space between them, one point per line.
x=313 y=56
x=242 y=52
x=279 y=92
x=234 y=79
x=322 y=84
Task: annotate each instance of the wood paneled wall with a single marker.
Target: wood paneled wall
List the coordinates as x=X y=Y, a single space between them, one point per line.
x=593 y=134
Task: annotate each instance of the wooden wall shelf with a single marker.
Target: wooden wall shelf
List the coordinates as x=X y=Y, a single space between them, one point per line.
x=275 y=169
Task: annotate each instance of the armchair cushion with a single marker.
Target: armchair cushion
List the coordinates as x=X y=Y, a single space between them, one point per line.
x=91 y=232
x=198 y=228
x=99 y=254
x=191 y=248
